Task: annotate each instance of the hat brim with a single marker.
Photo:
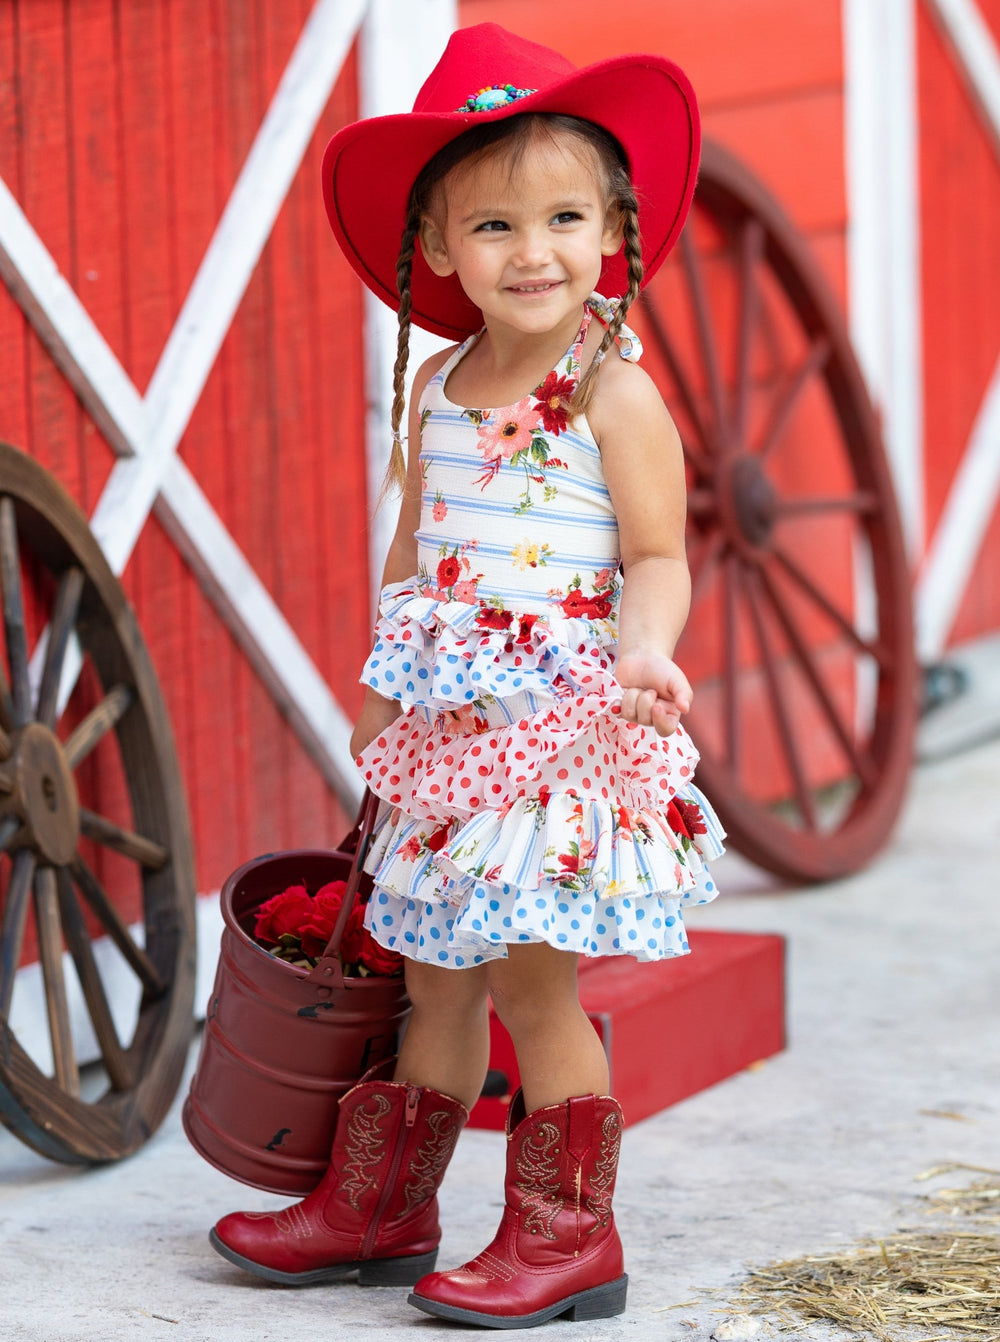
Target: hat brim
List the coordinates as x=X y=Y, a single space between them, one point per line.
x=369 y=167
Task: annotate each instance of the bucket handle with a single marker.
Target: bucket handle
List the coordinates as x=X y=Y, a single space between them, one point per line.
x=329 y=972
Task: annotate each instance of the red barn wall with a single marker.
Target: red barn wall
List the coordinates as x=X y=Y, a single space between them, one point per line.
x=131 y=123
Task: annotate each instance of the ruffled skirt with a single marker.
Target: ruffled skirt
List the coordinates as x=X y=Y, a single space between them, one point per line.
x=518 y=805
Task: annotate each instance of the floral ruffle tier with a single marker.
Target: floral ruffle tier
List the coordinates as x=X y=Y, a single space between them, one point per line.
x=519 y=805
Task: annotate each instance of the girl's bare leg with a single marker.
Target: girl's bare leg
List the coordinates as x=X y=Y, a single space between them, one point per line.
x=447 y=1042
x=558 y=1051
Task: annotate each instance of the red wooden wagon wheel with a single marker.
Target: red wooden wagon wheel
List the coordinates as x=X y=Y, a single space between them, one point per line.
x=93 y=837
x=800 y=641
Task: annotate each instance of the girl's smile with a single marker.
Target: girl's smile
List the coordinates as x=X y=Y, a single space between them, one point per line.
x=527 y=239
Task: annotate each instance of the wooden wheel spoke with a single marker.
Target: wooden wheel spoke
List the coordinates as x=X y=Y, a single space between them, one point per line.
x=92 y=891
x=862 y=763
x=15 y=911
x=731 y=669
x=877 y=651
x=13 y=616
x=75 y=931
x=704 y=562
x=60 y=629
x=778 y=705
x=124 y=841
x=706 y=336
x=6 y=711
x=781 y=412
x=9 y=826
x=751 y=249
x=701 y=502
x=50 y=948
x=56 y=580
x=863 y=502
x=670 y=356
x=96 y=724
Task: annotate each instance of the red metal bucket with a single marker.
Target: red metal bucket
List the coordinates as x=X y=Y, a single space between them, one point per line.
x=282 y=1044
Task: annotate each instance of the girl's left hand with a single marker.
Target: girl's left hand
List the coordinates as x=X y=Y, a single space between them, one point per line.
x=657 y=691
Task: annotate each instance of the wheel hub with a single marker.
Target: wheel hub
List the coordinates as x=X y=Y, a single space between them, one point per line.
x=753 y=500
x=44 y=794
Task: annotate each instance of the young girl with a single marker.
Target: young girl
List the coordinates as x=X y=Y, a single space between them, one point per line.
x=522 y=710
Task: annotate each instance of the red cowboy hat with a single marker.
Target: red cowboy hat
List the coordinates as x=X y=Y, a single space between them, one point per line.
x=487 y=74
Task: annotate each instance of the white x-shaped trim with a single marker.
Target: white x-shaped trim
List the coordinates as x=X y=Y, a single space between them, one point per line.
x=146 y=431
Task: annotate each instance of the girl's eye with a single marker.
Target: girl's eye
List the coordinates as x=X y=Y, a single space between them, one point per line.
x=567 y=217
x=492 y=226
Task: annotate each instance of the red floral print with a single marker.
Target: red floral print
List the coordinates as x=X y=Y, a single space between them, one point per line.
x=449 y=570
x=685 y=818
x=439 y=838
x=525 y=625
x=551 y=398
x=578 y=606
x=494 y=617
x=501 y=439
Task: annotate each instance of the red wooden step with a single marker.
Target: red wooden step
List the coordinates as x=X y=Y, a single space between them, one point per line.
x=673 y=1027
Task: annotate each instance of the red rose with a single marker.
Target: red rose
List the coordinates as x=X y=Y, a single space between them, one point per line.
x=317 y=930
x=449 y=571
x=490 y=617
x=571 y=861
x=352 y=943
x=283 y=915
x=359 y=947
x=377 y=958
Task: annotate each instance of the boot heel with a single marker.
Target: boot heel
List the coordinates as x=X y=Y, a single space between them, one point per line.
x=600 y=1303
x=399 y=1271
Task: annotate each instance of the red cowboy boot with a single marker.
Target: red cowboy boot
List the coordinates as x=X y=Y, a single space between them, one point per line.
x=557 y=1251
x=375 y=1209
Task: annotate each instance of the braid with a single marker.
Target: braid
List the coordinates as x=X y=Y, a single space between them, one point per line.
x=587 y=385
x=395 y=476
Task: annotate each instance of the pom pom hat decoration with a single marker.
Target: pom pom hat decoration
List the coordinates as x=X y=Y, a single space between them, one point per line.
x=488 y=74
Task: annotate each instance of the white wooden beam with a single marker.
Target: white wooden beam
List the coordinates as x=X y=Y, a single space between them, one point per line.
x=63 y=324
x=400 y=44
x=883 y=235
x=225 y=271
x=971 y=40
x=259 y=627
x=968 y=510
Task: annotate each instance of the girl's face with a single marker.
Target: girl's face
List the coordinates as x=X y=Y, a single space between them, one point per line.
x=526 y=240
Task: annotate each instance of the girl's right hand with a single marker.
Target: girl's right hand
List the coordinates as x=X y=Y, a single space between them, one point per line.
x=376 y=714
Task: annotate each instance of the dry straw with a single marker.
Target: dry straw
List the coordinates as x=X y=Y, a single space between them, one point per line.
x=918 y=1284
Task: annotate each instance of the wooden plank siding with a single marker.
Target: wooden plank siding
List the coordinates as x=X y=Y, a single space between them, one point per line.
x=124 y=129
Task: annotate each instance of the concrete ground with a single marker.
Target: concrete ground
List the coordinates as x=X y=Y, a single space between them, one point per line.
x=890 y=1070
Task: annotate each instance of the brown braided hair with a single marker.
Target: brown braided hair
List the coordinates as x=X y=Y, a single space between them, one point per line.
x=514 y=134
x=628 y=207
x=395 y=476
